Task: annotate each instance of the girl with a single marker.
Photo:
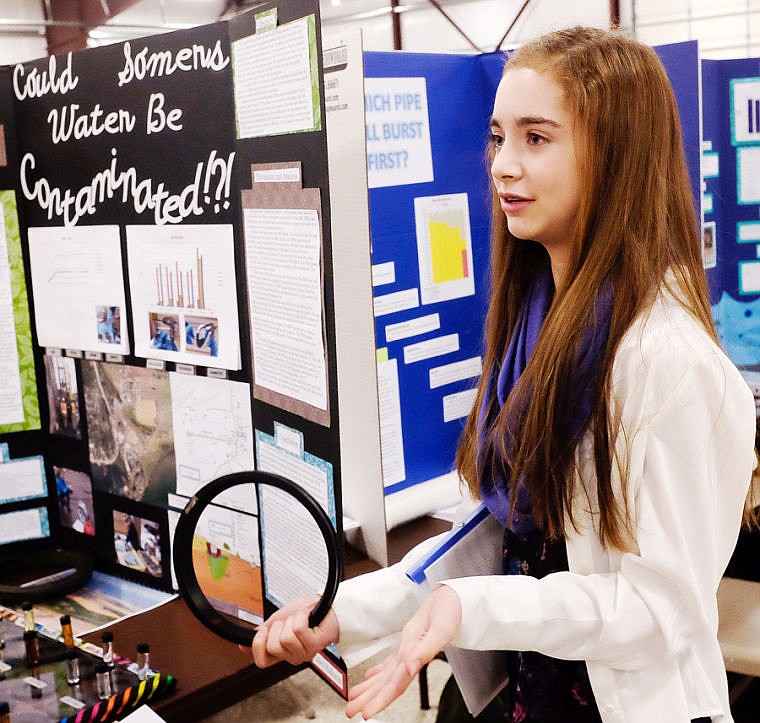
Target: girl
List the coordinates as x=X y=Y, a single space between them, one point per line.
x=611 y=436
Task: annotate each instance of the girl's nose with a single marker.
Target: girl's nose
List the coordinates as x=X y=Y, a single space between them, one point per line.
x=505 y=162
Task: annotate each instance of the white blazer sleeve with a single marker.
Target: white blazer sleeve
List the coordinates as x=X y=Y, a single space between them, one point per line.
x=375 y=606
x=372 y=608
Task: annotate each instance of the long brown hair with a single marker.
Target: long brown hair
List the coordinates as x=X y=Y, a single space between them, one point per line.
x=636 y=221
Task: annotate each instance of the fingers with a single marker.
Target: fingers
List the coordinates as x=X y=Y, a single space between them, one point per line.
x=288 y=639
x=276 y=642
x=385 y=682
x=378 y=691
x=259 y=648
x=432 y=627
x=286 y=636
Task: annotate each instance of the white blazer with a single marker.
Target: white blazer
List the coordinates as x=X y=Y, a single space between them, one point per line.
x=645 y=621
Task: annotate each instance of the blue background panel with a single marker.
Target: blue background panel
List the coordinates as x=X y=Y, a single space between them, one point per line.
x=736 y=310
x=458 y=110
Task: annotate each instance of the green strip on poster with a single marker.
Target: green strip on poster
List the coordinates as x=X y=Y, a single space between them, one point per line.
x=311 y=25
x=27 y=375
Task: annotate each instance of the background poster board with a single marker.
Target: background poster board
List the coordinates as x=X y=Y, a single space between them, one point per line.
x=429 y=215
x=731 y=164
x=117 y=145
x=106 y=138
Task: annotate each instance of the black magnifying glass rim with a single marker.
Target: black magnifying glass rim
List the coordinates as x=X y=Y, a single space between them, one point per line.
x=187 y=581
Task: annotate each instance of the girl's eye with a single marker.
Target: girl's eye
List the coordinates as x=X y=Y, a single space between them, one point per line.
x=535 y=139
x=495 y=140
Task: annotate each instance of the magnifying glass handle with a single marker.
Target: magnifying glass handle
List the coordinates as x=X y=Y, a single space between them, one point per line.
x=318 y=614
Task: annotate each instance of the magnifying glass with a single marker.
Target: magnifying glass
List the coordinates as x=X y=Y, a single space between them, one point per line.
x=248 y=543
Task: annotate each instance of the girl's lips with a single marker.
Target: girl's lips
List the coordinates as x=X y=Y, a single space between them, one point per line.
x=513 y=204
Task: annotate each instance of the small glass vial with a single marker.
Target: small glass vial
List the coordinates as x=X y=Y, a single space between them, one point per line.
x=103 y=680
x=108 y=656
x=143 y=661
x=5 y=712
x=28 y=611
x=32 y=647
x=68 y=633
x=72 y=667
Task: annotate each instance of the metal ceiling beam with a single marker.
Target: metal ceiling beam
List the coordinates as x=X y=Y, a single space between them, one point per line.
x=396 y=25
x=614 y=13
x=512 y=25
x=70 y=21
x=448 y=17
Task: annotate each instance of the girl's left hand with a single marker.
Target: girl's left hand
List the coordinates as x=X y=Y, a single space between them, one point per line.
x=433 y=626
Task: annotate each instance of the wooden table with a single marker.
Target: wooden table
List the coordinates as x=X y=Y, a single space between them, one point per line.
x=212 y=673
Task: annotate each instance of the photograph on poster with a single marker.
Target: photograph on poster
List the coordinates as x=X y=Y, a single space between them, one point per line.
x=709 y=248
x=78 y=287
x=129 y=422
x=163 y=331
x=63 y=396
x=201 y=335
x=179 y=279
x=74 y=490
x=109 y=324
x=137 y=543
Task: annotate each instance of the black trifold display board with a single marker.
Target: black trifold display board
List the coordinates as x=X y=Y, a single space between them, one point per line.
x=150 y=133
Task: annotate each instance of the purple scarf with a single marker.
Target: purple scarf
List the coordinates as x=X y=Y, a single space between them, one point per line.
x=578 y=397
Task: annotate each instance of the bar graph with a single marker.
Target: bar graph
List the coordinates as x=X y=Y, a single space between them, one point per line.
x=179 y=284
x=444 y=247
x=448 y=250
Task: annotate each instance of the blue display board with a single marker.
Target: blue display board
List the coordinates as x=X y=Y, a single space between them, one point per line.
x=427 y=126
x=681 y=61
x=731 y=159
x=458 y=108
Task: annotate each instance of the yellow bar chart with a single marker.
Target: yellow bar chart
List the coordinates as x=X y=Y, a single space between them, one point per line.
x=448 y=252
x=444 y=247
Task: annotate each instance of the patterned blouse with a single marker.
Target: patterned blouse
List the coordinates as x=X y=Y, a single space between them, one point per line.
x=544 y=689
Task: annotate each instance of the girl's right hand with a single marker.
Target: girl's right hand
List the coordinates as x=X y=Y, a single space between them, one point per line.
x=286 y=635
